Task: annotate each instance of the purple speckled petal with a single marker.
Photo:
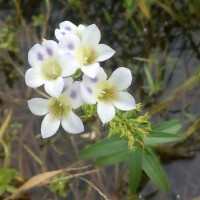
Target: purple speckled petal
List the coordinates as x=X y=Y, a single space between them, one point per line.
x=67 y=25
x=73 y=94
x=49 y=51
x=68 y=28
x=87 y=94
x=89 y=90
x=50 y=47
x=70 y=46
x=36 y=55
x=70 y=43
x=94 y=80
x=40 y=57
x=65 y=88
x=67 y=84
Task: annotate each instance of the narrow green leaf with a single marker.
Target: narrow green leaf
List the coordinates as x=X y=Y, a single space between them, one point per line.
x=154 y=170
x=107 y=16
x=135 y=168
x=149 y=78
x=160 y=137
x=113 y=159
x=172 y=126
x=105 y=147
x=141 y=59
x=175 y=14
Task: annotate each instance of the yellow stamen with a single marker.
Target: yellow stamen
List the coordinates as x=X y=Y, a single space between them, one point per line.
x=106 y=92
x=51 y=69
x=59 y=107
x=86 y=55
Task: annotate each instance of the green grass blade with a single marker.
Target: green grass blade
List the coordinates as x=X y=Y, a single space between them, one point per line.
x=135 y=168
x=105 y=147
x=154 y=170
x=160 y=137
x=113 y=159
x=172 y=126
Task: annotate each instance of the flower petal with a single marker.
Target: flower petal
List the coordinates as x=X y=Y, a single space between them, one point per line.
x=70 y=43
x=91 y=70
x=125 y=102
x=101 y=76
x=72 y=124
x=87 y=93
x=59 y=34
x=33 y=78
x=75 y=95
x=36 y=55
x=38 y=106
x=68 y=26
x=67 y=84
x=49 y=126
x=106 y=112
x=122 y=78
x=51 y=47
x=91 y=36
x=54 y=88
x=80 y=29
x=104 y=52
x=68 y=64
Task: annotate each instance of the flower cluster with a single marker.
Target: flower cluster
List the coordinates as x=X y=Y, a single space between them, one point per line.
x=53 y=64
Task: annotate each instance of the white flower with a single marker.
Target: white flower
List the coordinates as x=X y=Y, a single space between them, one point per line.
x=48 y=66
x=108 y=93
x=67 y=28
x=87 y=50
x=59 y=110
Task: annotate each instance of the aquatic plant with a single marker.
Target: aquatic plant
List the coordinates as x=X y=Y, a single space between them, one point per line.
x=77 y=56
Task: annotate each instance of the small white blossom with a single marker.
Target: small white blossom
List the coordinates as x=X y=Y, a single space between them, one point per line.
x=87 y=50
x=108 y=94
x=58 y=110
x=48 y=66
x=67 y=28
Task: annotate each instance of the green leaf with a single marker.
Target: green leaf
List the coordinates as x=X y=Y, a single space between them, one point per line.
x=164 y=132
x=112 y=159
x=141 y=59
x=2 y=189
x=160 y=137
x=149 y=78
x=10 y=188
x=105 y=147
x=7 y=175
x=154 y=170
x=172 y=126
x=107 y=16
x=135 y=168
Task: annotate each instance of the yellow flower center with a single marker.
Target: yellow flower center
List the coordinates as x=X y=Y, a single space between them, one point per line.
x=86 y=55
x=51 y=69
x=106 y=92
x=59 y=107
